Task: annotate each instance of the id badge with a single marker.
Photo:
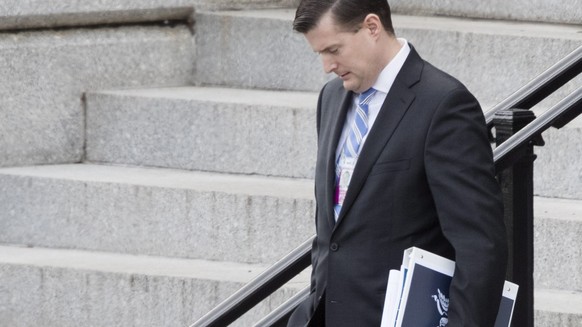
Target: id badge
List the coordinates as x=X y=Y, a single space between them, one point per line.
x=346 y=166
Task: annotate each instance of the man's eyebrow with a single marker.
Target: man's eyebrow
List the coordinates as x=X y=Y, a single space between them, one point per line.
x=327 y=49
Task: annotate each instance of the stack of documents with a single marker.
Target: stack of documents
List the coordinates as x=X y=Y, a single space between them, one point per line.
x=418 y=294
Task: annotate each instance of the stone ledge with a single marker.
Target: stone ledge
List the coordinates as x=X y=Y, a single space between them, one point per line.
x=46 y=72
x=38 y=14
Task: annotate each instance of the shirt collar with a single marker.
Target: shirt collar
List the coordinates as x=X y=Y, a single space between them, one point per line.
x=388 y=74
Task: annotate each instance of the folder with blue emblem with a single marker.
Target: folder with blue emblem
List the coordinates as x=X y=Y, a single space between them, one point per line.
x=418 y=294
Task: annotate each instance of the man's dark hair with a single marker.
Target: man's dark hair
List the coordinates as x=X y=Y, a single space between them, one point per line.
x=346 y=13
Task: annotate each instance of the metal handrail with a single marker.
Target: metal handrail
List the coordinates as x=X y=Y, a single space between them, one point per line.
x=284 y=310
x=570 y=106
x=259 y=288
x=543 y=85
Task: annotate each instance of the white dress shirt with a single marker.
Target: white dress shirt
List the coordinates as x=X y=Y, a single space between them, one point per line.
x=382 y=86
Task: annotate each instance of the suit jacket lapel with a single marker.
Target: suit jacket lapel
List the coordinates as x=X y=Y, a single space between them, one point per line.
x=397 y=102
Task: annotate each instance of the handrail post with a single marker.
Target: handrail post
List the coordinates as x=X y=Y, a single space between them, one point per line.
x=517 y=186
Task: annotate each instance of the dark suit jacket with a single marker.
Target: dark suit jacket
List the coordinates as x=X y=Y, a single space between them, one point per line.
x=424 y=178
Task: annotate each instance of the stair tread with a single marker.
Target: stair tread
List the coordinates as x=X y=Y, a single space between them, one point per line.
x=481 y=26
x=558 y=301
x=562 y=209
x=291 y=99
x=171 y=178
x=551 y=300
x=137 y=264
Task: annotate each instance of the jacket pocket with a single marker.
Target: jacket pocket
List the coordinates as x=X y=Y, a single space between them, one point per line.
x=389 y=166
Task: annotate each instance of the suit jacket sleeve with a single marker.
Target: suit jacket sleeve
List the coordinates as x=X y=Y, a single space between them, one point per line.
x=314 y=246
x=303 y=313
x=460 y=173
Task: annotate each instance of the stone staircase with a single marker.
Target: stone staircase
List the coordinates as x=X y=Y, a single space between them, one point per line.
x=155 y=160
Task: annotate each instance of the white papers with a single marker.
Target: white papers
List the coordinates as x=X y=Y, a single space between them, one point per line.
x=418 y=294
x=393 y=293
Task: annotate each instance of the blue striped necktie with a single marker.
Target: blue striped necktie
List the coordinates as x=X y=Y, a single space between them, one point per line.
x=359 y=126
x=358 y=131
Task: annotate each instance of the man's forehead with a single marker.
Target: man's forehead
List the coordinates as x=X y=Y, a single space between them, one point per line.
x=325 y=34
x=328 y=21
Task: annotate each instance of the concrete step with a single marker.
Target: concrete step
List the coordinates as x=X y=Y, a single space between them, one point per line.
x=209 y=129
x=44 y=74
x=557 y=244
x=558 y=167
x=155 y=212
x=258 y=49
x=557 y=308
x=256 y=132
x=37 y=14
x=554 y=11
x=243 y=4
x=61 y=288
x=18 y=14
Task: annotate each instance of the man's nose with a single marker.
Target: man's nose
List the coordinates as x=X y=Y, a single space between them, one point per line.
x=329 y=65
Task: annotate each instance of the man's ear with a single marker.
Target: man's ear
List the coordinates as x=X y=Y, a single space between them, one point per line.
x=373 y=24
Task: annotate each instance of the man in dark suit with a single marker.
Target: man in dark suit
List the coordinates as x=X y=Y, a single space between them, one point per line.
x=403 y=160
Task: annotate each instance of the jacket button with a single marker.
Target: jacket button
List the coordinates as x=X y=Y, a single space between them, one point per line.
x=334 y=247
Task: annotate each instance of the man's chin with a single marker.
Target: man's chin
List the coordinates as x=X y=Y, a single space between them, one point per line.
x=349 y=86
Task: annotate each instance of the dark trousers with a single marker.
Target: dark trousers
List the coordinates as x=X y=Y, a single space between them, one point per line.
x=318 y=318
x=302 y=316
